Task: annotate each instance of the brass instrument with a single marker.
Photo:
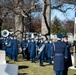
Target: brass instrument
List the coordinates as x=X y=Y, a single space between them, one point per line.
x=5 y=33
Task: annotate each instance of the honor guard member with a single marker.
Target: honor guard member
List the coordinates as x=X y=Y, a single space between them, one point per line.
x=27 y=50
x=32 y=50
x=41 y=52
x=68 y=62
x=37 y=46
x=0 y=42
x=4 y=44
x=29 y=42
x=60 y=55
x=11 y=39
x=49 y=48
x=15 y=49
x=9 y=46
x=46 y=50
x=24 y=46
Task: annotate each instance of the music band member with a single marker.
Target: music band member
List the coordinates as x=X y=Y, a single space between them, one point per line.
x=24 y=46
x=41 y=53
x=32 y=50
x=9 y=46
x=48 y=48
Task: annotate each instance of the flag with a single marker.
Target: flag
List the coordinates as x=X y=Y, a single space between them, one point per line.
x=75 y=26
x=75 y=15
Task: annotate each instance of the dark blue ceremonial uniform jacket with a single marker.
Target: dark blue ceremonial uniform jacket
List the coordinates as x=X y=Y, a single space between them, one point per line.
x=24 y=43
x=68 y=62
x=9 y=46
x=3 y=45
x=15 y=47
x=48 y=48
x=42 y=54
x=29 y=46
x=32 y=49
x=60 y=55
x=0 y=43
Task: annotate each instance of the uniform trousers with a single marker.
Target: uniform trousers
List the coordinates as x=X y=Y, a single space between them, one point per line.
x=41 y=62
x=59 y=72
x=14 y=57
x=24 y=54
x=66 y=72
x=49 y=60
x=32 y=59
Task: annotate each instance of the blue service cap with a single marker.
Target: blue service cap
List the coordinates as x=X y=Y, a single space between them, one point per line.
x=14 y=35
x=10 y=35
x=59 y=36
x=32 y=38
x=50 y=39
x=65 y=36
x=41 y=38
x=28 y=38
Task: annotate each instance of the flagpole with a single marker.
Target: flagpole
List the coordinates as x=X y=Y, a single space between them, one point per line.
x=73 y=56
x=74 y=37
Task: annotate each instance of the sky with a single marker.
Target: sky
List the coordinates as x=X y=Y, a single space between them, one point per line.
x=69 y=15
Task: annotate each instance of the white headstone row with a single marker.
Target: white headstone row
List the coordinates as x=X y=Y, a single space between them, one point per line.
x=2 y=57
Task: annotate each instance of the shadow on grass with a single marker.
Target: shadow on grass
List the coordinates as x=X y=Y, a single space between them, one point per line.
x=22 y=74
x=23 y=67
x=7 y=61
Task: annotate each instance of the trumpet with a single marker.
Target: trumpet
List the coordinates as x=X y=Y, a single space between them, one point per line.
x=5 y=33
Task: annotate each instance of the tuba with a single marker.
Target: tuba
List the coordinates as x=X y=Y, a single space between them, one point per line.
x=5 y=33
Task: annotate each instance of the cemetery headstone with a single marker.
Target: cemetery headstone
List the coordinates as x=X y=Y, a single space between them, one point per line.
x=8 y=69
x=2 y=57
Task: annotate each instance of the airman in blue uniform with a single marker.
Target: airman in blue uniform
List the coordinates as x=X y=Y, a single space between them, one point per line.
x=15 y=49
x=3 y=44
x=49 y=47
x=46 y=50
x=9 y=46
x=68 y=63
x=41 y=53
x=29 y=41
x=60 y=55
x=24 y=46
x=32 y=50
x=0 y=42
x=37 y=46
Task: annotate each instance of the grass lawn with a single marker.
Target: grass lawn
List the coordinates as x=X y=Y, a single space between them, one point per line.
x=28 y=68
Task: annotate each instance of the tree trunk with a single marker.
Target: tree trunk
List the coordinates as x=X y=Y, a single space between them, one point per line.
x=18 y=26
x=45 y=28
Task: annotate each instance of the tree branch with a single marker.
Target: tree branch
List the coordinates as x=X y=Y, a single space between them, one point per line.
x=34 y=6
x=56 y=7
x=65 y=10
x=70 y=1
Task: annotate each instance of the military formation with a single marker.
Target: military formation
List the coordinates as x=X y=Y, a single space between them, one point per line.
x=10 y=45
x=44 y=51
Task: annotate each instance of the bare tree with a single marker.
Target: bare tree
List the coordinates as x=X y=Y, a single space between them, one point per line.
x=21 y=8
x=69 y=27
x=53 y=4
x=45 y=29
